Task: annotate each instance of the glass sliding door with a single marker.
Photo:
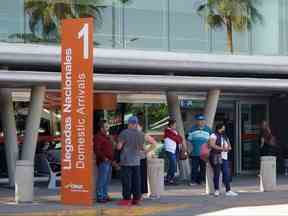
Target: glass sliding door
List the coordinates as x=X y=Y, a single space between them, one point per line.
x=251 y=116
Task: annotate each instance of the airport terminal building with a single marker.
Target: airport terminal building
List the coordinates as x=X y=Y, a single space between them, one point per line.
x=154 y=52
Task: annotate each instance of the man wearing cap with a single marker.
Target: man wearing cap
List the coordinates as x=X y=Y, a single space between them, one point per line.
x=197 y=136
x=131 y=143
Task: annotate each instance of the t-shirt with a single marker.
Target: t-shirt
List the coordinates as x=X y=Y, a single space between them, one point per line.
x=197 y=137
x=224 y=154
x=133 y=144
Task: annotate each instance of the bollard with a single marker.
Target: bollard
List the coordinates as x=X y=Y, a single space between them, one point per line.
x=24 y=178
x=155 y=177
x=268 y=173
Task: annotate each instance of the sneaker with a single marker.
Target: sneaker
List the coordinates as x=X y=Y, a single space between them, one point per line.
x=109 y=199
x=231 y=193
x=101 y=201
x=216 y=193
x=135 y=202
x=124 y=202
x=193 y=184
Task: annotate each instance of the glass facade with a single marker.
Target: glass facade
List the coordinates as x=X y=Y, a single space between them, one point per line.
x=165 y=25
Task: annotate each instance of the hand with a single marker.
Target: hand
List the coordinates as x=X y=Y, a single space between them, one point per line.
x=225 y=149
x=116 y=166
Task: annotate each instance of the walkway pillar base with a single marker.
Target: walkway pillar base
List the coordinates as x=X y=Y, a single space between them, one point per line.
x=10 y=133
x=175 y=113
x=210 y=112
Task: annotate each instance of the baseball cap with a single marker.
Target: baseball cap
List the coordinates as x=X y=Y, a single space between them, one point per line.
x=133 y=120
x=200 y=117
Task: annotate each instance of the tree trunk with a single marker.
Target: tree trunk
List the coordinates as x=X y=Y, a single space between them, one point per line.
x=229 y=36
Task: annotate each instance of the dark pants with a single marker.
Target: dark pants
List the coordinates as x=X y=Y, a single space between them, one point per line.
x=172 y=165
x=131 y=182
x=198 y=169
x=217 y=168
x=143 y=170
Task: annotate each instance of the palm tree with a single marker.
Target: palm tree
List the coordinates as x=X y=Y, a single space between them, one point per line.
x=234 y=15
x=45 y=15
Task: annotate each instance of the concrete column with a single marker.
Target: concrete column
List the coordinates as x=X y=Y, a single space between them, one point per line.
x=33 y=122
x=210 y=111
x=52 y=122
x=175 y=112
x=10 y=133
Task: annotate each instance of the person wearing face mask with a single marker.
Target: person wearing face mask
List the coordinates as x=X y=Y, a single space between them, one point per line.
x=220 y=146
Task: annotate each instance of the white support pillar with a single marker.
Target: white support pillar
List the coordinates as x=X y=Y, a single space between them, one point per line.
x=33 y=122
x=10 y=133
x=175 y=112
x=210 y=112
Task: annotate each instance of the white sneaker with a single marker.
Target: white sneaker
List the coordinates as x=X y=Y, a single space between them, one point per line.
x=231 y=193
x=217 y=193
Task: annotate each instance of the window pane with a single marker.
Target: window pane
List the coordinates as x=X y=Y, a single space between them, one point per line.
x=266 y=36
x=11 y=20
x=187 y=29
x=240 y=41
x=145 y=24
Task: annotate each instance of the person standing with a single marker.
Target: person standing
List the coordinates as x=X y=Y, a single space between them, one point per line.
x=103 y=149
x=172 y=140
x=149 y=140
x=198 y=135
x=131 y=143
x=267 y=141
x=218 y=158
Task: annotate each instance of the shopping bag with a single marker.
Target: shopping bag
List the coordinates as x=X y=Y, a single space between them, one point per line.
x=204 y=152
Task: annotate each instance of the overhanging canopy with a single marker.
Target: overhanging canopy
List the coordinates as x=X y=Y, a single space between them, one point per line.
x=44 y=57
x=26 y=79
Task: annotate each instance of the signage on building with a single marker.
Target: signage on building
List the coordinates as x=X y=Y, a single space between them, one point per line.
x=77 y=112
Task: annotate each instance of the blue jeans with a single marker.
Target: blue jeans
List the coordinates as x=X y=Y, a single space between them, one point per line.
x=172 y=168
x=103 y=180
x=217 y=168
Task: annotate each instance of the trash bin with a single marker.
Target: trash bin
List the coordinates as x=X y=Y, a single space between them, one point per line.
x=24 y=178
x=268 y=173
x=155 y=177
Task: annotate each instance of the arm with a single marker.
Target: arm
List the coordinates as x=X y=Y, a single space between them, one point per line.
x=175 y=137
x=98 y=151
x=212 y=144
x=120 y=145
x=262 y=141
x=149 y=139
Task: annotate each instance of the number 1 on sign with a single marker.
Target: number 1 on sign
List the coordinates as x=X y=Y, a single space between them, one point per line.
x=84 y=33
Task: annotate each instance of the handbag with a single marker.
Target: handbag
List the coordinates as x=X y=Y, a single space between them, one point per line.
x=204 y=152
x=183 y=155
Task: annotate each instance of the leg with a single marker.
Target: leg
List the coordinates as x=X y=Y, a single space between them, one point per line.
x=143 y=169
x=226 y=175
x=216 y=175
x=194 y=169
x=109 y=172
x=173 y=165
x=202 y=170
x=136 y=183
x=126 y=182
x=170 y=168
x=101 y=181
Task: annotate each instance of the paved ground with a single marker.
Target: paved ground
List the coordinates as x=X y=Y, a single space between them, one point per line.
x=177 y=201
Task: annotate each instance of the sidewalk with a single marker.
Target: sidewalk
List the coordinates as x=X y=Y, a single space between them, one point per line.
x=177 y=201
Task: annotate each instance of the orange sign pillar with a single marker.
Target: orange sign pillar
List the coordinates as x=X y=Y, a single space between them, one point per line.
x=77 y=182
